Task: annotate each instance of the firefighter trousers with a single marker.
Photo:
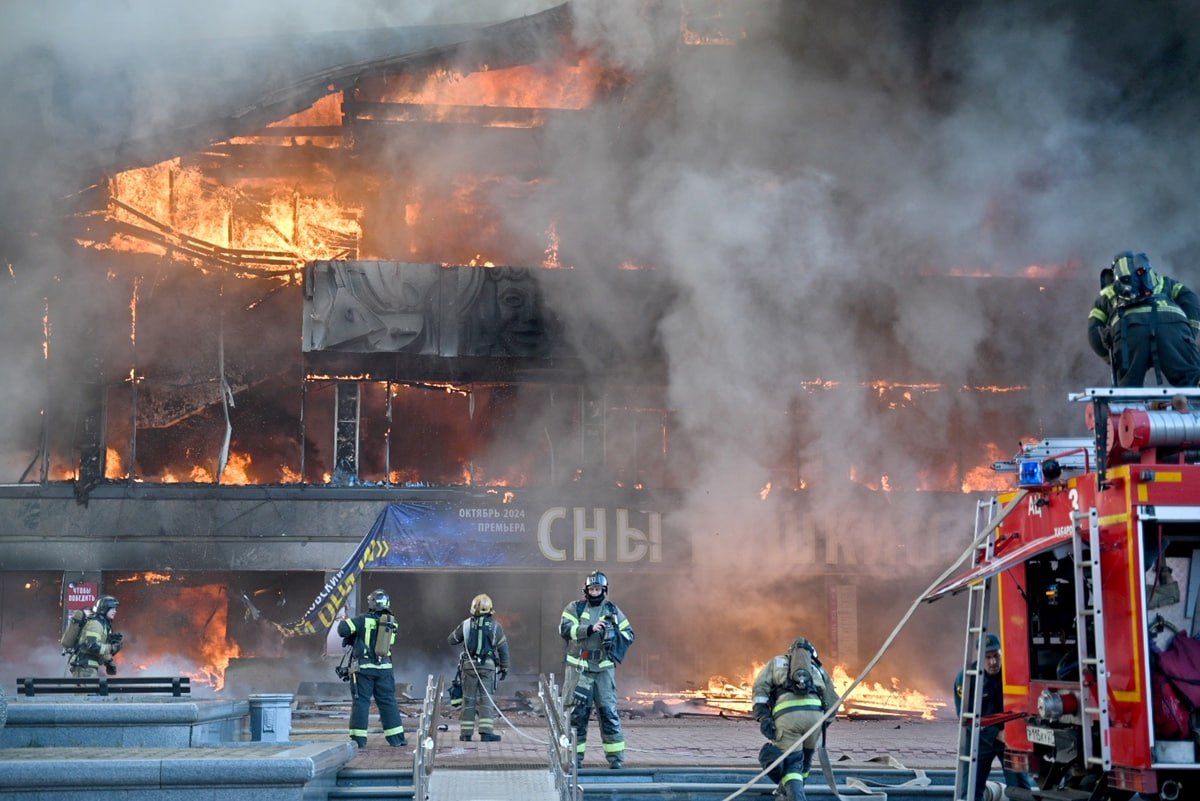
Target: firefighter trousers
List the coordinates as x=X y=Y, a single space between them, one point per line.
x=599 y=689
x=1171 y=344
x=475 y=700
x=378 y=684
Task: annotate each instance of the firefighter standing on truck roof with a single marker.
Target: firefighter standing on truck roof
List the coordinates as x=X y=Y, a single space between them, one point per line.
x=1141 y=320
x=96 y=643
x=483 y=662
x=791 y=693
x=372 y=636
x=991 y=738
x=598 y=636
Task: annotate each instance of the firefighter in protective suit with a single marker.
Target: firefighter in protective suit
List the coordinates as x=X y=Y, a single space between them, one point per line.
x=372 y=636
x=598 y=636
x=791 y=694
x=97 y=643
x=484 y=661
x=1142 y=320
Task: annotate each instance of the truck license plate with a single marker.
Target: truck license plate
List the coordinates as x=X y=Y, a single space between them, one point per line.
x=1039 y=735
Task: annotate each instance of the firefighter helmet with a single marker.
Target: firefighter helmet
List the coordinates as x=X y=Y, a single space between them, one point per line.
x=379 y=601
x=596 y=579
x=103 y=604
x=802 y=642
x=481 y=604
x=1133 y=278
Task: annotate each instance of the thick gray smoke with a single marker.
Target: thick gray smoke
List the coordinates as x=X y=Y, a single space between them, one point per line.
x=808 y=190
x=795 y=186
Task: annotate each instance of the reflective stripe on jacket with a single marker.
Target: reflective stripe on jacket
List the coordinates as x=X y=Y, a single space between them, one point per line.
x=590 y=651
x=771 y=685
x=365 y=628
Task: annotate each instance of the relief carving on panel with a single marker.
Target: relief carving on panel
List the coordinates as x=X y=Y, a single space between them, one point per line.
x=365 y=307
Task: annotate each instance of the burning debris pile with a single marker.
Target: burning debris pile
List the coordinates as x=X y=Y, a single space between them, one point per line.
x=867 y=701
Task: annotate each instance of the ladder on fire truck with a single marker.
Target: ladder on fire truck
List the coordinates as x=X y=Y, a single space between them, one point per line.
x=1091 y=649
x=979 y=603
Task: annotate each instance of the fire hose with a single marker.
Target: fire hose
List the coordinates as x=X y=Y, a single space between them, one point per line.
x=883 y=649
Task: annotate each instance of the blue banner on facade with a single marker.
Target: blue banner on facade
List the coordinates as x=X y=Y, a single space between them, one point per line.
x=450 y=534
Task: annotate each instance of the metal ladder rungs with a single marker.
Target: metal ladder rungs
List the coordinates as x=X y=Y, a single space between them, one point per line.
x=1086 y=554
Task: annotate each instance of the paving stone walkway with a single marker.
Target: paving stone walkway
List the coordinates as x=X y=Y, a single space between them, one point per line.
x=701 y=741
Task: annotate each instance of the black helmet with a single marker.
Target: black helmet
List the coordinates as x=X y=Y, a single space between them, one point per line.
x=596 y=579
x=105 y=603
x=379 y=601
x=1133 y=278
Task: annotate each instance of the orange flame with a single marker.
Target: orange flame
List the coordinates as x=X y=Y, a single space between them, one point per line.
x=865 y=700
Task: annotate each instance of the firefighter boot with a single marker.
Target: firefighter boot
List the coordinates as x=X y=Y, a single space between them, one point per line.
x=793 y=791
x=397 y=740
x=489 y=737
x=361 y=742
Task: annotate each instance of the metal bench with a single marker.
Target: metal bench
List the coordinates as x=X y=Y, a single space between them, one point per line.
x=175 y=685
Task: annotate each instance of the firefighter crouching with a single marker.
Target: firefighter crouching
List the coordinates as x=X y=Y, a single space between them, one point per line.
x=372 y=636
x=791 y=694
x=598 y=636
x=95 y=643
x=483 y=662
x=1143 y=320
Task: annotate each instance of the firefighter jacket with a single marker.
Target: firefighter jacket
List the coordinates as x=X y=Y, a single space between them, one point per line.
x=482 y=637
x=773 y=689
x=95 y=646
x=362 y=632
x=1171 y=301
x=600 y=650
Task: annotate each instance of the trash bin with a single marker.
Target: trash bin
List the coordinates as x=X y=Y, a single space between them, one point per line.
x=271 y=717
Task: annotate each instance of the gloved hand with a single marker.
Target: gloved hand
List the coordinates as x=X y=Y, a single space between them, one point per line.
x=599 y=625
x=767 y=727
x=348 y=640
x=766 y=723
x=501 y=674
x=114 y=648
x=110 y=669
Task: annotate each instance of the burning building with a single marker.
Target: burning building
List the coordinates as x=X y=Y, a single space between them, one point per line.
x=482 y=306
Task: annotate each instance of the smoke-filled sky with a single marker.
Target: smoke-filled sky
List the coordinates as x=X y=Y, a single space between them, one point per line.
x=791 y=188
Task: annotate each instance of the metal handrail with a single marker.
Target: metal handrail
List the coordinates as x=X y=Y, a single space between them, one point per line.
x=561 y=743
x=426 y=737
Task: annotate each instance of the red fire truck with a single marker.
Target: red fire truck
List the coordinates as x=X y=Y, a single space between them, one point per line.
x=1093 y=562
